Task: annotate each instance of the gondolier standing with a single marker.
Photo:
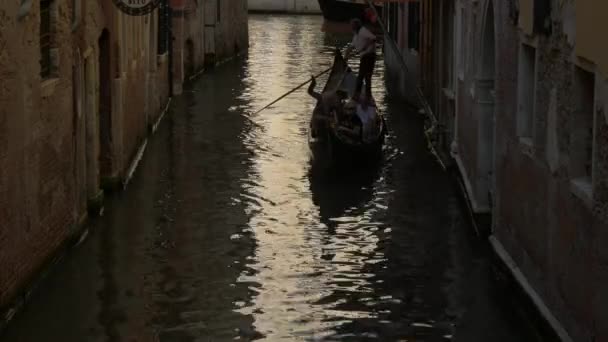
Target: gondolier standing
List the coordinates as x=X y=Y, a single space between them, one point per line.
x=364 y=42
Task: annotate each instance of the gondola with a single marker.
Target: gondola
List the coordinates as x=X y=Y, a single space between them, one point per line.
x=344 y=10
x=331 y=145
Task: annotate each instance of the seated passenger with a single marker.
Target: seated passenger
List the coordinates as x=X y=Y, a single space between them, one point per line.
x=368 y=117
x=350 y=123
x=328 y=104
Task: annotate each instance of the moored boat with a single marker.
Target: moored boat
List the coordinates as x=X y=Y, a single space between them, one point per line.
x=337 y=145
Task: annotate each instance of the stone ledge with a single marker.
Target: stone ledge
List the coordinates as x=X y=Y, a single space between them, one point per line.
x=134 y=163
x=160 y=59
x=550 y=323
x=583 y=189
x=449 y=94
x=95 y=203
x=526 y=145
x=47 y=88
x=477 y=208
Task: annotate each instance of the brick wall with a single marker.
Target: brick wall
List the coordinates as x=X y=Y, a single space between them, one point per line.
x=37 y=192
x=46 y=124
x=50 y=130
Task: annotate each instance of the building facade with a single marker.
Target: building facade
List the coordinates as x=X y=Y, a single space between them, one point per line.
x=517 y=96
x=82 y=85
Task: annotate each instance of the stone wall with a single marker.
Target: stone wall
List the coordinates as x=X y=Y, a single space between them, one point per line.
x=38 y=163
x=51 y=131
x=141 y=75
x=548 y=216
x=231 y=35
x=555 y=235
x=205 y=35
x=65 y=138
x=194 y=38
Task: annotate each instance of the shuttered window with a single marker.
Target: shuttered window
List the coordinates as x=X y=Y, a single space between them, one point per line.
x=163 y=28
x=45 y=38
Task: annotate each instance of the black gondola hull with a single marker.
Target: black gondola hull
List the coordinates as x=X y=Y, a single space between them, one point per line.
x=331 y=148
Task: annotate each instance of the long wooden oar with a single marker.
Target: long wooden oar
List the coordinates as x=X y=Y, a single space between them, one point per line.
x=291 y=91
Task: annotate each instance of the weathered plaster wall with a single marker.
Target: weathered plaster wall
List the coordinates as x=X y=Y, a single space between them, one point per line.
x=38 y=196
x=50 y=129
x=526 y=16
x=142 y=75
x=194 y=39
x=591 y=24
x=554 y=236
x=231 y=34
x=468 y=114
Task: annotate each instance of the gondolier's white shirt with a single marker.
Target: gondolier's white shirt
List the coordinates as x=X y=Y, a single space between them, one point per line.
x=361 y=39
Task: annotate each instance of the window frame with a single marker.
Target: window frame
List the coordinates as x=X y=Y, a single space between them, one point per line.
x=526 y=116
x=45 y=36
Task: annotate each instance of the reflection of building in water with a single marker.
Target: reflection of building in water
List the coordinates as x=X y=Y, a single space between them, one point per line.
x=285 y=6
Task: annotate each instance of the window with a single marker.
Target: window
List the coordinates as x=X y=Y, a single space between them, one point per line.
x=471 y=47
x=526 y=92
x=448 y=41
x=218 y=8
x=414 y=26
x=402 y=23
x=163 y=28
x=392 y=15
x=76 y=13
x=45 y=39
x=461 y=42
x=582 y=133
x=542 y=16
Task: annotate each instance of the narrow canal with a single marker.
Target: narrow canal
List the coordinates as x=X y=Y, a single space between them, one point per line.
x=224 y=235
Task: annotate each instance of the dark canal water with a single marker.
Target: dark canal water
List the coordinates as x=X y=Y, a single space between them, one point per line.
x=224 y=234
